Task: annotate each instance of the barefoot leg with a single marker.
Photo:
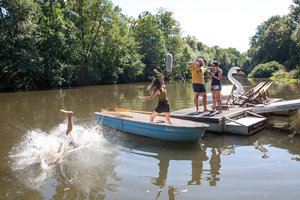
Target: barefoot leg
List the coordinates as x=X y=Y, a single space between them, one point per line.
x=153 y=115
x=70 y=124
x=167 y=116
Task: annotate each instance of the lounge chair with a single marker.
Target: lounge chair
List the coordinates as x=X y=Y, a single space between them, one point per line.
x=255 y=95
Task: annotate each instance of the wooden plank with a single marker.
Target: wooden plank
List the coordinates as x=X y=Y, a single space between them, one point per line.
x=206 y=117
x=245 y=125
x=232 y=120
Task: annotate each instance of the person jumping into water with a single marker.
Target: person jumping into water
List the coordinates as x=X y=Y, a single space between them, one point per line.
x=69 y=115
x=61 y=150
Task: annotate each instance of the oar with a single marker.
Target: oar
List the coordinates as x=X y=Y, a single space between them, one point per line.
x=134 y=111
x=114 y=113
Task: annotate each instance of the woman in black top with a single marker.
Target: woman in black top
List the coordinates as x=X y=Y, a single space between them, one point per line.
x=157 y=88
x=216 y=75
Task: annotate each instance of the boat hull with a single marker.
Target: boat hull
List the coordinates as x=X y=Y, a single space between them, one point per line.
x=162 y=131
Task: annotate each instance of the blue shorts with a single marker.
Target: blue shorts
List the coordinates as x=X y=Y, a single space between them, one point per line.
x=199 y=88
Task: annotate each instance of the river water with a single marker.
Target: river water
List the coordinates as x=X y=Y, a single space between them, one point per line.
x=40 y=162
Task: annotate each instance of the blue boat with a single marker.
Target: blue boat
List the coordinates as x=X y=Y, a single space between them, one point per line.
x=138 y=123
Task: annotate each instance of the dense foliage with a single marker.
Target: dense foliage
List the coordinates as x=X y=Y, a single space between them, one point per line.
x=282 y=74
x=265 y=70
x=60 y=43
x=277 y=39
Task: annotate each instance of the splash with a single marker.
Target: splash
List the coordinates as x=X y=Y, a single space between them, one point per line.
x=40 y=156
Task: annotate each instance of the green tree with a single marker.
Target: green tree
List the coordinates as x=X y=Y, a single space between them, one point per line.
x=295 y=13
x=265 y=70
x=19 y=38
x=56 y=48
x=107 y=52
x=272 y=41
x=277 y=39
x=173 y=41
x=152 y=42
x=295 y=18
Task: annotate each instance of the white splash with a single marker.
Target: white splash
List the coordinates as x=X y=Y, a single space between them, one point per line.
x=40 y=156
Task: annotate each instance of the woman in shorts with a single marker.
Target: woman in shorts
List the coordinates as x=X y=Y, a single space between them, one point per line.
x=216 y=75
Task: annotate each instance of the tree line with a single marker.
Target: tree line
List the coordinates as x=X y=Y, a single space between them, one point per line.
x=60 y=43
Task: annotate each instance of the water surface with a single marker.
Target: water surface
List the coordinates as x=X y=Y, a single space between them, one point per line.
x=99 y=163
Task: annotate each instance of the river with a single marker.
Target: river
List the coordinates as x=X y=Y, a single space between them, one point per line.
x=107 y=164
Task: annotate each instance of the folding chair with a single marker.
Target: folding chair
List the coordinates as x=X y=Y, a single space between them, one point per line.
x=255 y=95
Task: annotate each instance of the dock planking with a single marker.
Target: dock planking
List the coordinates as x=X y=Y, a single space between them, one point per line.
x=190 y=114
x=235 y=120
x=239 y=120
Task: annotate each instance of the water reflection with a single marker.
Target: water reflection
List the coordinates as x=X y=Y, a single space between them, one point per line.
x=268 y=138
x=168 y=152
x=204 y=158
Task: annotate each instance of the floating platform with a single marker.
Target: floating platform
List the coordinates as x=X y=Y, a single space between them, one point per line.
x=239 y=120
x=279 y=107
x=234 y=120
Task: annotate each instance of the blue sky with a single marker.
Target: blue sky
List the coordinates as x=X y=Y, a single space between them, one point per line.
x=226 y=23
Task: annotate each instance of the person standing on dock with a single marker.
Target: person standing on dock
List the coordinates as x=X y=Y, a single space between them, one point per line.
x=198 y=69
x=158 y=88
x=216 y=75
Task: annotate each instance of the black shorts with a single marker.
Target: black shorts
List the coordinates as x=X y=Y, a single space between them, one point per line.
x=199 y=88
x=163 y=106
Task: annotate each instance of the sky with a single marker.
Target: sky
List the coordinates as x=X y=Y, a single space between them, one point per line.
x=223 y=23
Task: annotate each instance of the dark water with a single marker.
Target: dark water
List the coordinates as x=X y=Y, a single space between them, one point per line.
x=106 y=164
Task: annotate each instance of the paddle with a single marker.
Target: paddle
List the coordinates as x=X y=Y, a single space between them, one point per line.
x=105 y=111
x=134 y=111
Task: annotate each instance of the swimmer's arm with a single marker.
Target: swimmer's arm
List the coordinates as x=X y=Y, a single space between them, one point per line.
x=149 y=97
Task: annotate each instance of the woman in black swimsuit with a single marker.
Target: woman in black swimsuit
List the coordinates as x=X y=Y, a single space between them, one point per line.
x=158 y=88
x=216 y=75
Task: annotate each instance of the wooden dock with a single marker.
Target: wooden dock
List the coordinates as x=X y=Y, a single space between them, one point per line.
x=234 y=120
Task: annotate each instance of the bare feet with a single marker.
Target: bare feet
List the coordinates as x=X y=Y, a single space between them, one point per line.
x=68 y=113
x=70 y=124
